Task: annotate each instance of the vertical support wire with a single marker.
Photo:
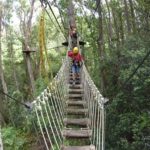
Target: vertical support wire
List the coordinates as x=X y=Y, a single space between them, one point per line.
x=103 y=128
x=61 y=86
x=96 y=126
x=64 y=87
x=84 y=87
x=85 y=92
x=41 y=129
x=62 y=94
x=55 y=108
x=89 y=100
x=90 y=107
x=54 y=122
x=46 y=129
x=86 y=96
x=92 y=117
x=55 y=114
x=58 y=100
x=50 y=124
x=95 y=107
x=100 y=128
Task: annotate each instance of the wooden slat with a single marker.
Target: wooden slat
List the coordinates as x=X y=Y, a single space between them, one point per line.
x=72 y=74
x=71 y=77
x=77 y=133
x=75 y=95
x=76 y=91
x=90 y=147
x=81 y=121
x=77 y=111
x=75 y=99
x=76 y=86
x=76 y=103
x=76 y=82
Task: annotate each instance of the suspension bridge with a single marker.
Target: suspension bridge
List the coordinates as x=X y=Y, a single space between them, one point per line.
x=69 y=113
x=71 y=117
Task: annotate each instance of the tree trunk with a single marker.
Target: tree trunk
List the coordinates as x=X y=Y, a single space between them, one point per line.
x=2 y=119
x=4 y=86
x=109 y=23
x=121 y=27
x=27 y=58
x=11 y=56
x=71 y=14
x=27 y=45
x=28 y=61
x=132 y=16
x=101 y=46
x=106 y=29
x=127 y=17
x=29 y=23
x=2 y=79
x=117 y=39
x=14 y=68
x=116 y=28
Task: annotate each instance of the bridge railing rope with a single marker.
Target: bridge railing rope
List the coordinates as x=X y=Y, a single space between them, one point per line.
x=49 y=108
x=96 y=112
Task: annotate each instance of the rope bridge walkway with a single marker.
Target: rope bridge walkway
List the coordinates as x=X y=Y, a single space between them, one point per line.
x=71 y=117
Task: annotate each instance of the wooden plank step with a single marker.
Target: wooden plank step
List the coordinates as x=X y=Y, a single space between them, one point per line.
x=81 y=121
x=75 y=99
x=76 y=103
x=75 y=90
x=75 y=95
x=77 y=133
x=71 y=77
x=88 y=147
x=77 y=111
x=72 y=74
x=76 y=82
x=76 y=86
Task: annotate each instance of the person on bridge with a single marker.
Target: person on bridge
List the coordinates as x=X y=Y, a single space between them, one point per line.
x=73 y=32
x=73 y=35
x=76 y=62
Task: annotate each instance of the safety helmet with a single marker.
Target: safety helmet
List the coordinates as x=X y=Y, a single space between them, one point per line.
x=75 y=50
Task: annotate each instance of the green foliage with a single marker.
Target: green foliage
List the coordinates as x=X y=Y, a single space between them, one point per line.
x=40 y=84
x=13 y=139
x=128 y=113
